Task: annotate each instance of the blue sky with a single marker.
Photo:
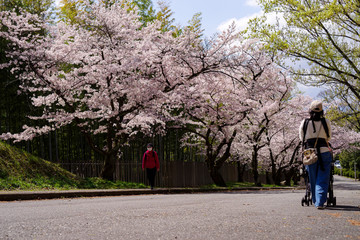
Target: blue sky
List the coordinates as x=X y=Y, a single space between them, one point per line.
x=214 y=13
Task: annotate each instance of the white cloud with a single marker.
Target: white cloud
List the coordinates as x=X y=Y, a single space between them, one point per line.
x=242 y=23
x=252 y=3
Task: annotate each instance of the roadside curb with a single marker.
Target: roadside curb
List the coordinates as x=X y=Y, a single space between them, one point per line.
x=38 y=195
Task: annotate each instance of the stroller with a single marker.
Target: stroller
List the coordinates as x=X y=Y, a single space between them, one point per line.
x=331 y=200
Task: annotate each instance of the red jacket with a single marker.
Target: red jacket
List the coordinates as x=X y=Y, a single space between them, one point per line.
x=151 y=161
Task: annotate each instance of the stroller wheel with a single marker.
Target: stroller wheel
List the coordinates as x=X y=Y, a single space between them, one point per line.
x=307 y=202
x=302 y=201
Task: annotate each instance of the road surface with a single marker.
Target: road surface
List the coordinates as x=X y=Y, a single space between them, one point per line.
x=237 y=215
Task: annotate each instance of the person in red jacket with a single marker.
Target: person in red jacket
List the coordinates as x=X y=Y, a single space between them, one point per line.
x=150 y=162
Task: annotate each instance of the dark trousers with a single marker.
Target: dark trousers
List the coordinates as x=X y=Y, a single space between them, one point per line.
x=151 y=172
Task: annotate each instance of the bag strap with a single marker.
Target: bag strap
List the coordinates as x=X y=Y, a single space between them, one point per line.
x=317 y=138
x=326 y=127
x=306 y=122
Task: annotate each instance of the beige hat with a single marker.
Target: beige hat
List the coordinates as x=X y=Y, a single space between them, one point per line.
x=316 y=106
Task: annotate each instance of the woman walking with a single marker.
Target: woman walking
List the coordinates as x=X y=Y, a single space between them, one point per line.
x=316 y=133
x=150 y=162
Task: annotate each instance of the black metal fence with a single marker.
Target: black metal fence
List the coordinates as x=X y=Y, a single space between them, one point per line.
x=172 y=174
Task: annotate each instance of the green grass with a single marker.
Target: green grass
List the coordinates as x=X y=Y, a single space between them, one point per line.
x=99 y=183
x=20 y=170
x=48 y=183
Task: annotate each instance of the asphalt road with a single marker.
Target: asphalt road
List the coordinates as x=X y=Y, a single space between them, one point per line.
x=238 y=215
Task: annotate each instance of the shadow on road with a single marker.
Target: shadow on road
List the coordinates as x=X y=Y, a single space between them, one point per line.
x=344 y=208
x=269 y=191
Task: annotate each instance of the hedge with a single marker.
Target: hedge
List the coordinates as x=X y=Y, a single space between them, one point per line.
x=347 y=173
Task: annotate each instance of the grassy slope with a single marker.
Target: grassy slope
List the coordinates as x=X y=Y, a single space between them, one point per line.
x=20 y=170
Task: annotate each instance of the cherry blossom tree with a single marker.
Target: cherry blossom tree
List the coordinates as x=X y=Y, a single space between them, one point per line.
x=211 y=105
x=215 y=109
x=106 y=72
x=274 y=88
x=344 y=138
x=212 y=123
x=211 y=112
x=281 y=155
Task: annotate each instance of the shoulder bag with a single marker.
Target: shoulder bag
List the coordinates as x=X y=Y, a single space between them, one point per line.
x=310 y=155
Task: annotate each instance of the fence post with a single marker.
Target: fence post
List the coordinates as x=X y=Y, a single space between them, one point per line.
x=355 y=170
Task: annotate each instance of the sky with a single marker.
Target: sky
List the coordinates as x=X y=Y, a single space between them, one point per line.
x=217 y=15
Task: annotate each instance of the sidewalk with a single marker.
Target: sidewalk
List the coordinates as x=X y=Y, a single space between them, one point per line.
x=36 y=195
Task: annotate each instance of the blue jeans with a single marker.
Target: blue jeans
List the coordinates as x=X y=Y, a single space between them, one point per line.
x=319 y=179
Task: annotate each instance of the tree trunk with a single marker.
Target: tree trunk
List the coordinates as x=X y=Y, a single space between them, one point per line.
x=241 y=170
x=296 y=177
x=268 y=180
x=50 y=148
x=217 y=178
x=277 y=177
x=291 y=174
x=274 y=173
x=109 y=168
x=254 y=165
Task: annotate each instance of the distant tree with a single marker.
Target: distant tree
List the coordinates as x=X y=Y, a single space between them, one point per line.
x=349 y=159
x=344 y=109
x=344 y=138
x=68 y=10
x=282 y=155
x=164 y=15
x=216 y=109
x=266 y=118
x=195 y=25
x=146 y=10
x=345 y=143
x=43 y=8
